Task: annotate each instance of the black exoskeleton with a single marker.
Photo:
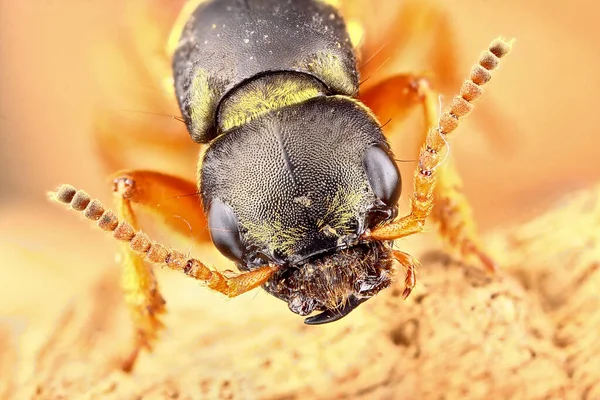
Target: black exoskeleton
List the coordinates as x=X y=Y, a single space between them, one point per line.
x=295 y=168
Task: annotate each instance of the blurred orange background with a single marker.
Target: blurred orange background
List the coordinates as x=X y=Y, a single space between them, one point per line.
x=53 y=76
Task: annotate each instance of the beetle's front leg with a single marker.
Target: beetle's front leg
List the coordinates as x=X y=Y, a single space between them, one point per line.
x=170 y=200
x=141 y=290
x=454 y=217
x=139 y=285
x=410 y=265
x=167 y=199
x=456 y=222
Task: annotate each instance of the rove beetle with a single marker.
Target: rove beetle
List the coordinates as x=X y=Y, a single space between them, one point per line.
x=297 y=180
x=296 y=168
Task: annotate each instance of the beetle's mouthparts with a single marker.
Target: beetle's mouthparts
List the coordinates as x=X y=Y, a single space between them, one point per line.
x=334 y=283
x=336 y=314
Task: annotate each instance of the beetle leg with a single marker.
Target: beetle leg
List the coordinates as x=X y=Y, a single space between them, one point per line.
x=148 y=25
x=454 y=217
x=451 y=210
x=166 y=197
x=140 y=286
x=141 y=245
x=433 y=151
x=410 y=264
x=173 y=200
x=394 y=98
x=162 y=195
x=141 y=127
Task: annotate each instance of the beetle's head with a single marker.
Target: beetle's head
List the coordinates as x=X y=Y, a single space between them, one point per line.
x=297 y=188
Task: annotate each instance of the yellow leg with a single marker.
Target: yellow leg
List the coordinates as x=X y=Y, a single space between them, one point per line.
x=454 y=217
x=394 y=98
x=172 y=200
x=433 y=152
x=140 y=289
x=141 y=245
x=140 y=285
x=410 y=265
x=166 y=196
x=397 y=96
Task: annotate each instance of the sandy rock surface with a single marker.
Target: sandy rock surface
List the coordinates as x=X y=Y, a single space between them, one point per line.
x=528 y=333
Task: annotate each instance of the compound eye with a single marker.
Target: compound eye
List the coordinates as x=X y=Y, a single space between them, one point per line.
x=225 y=230
x=383 y=175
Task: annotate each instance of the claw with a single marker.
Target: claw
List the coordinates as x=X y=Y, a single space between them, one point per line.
x=486 y=260
x=336 y=314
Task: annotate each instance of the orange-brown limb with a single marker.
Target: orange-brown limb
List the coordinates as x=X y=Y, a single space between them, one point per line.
x=164 y=196
x=173 y=199
x=140 y=288
x=139 y=284
x=451 y=210
x=454 y=217
x=157 y=253
x=410 y=265
x=394 y=98
x=430 y=156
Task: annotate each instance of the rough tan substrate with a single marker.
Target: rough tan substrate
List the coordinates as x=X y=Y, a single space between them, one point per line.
x=530 y=333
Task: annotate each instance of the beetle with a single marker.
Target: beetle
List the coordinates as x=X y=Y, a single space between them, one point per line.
x=297 y=180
